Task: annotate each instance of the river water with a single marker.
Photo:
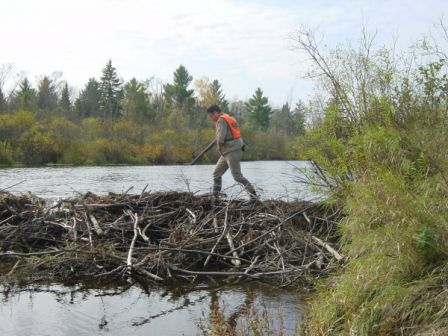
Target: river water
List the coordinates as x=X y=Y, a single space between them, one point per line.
x=58 y=309
x=272 y=179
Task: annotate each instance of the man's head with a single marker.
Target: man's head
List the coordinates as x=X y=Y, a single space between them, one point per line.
x=214 y=112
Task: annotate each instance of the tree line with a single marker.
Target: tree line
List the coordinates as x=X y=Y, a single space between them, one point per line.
x=134 y=121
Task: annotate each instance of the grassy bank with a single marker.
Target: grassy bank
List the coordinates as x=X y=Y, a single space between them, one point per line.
x=383 y=136
x=395 y=236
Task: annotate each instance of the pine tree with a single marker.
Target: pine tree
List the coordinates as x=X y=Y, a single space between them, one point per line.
x=88 y=102
x=281 y=118
x=220 y=97
x=258 y=110
x=47 y=96
x=177 y=94
x=110 y=92
x=135 y=102
x=298 y=117
x=65 y=103
x=288 y=121
x=26 y=97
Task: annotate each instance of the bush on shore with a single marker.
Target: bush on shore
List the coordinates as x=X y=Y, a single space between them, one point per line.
x=386 y=129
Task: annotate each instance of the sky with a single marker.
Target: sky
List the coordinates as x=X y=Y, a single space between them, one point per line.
x=243 y=44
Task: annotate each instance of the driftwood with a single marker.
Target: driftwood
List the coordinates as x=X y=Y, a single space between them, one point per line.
x=165 y=236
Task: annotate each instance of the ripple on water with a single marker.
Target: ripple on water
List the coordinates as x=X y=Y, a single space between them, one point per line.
x=61 y=310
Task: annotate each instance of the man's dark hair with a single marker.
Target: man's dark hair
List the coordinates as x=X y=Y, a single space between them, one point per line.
x=214 y=108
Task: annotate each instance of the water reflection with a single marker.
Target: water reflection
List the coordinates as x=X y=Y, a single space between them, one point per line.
x=217 y=312
x=77 y=310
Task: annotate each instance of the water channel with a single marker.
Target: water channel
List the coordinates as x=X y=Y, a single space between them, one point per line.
x=80 y=309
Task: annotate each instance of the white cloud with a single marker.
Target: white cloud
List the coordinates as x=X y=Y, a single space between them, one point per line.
x=244 y=44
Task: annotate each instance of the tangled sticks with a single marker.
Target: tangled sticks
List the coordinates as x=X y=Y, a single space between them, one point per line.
x=165 y=236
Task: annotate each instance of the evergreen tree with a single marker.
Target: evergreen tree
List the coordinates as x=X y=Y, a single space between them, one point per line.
x=88 y=102
x=65 y=103
x=298 y=117
x=220 y=97
x=178 y=94
x=258 y=110
x=47 y=96
x=281 y=118
x=110 y=92
x=288 y=121
x=26 y=97
x=135 y=102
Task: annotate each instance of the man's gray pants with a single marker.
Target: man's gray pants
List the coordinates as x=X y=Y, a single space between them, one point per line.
x=231 y=160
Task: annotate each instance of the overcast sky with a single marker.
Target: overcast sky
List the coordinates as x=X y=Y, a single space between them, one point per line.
x=243 y=44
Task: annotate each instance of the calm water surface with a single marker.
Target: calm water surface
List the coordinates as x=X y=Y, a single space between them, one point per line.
x=272 y=179
x=75 y=310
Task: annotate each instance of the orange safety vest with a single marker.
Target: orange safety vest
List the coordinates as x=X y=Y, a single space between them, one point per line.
x=233 y=125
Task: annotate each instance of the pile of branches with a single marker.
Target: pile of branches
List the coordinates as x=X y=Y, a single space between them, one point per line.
x=165 y=236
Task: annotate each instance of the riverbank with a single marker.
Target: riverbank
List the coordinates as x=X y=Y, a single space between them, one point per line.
x=166 y=237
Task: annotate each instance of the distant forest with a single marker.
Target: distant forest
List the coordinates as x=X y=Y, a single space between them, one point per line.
x=112 y=121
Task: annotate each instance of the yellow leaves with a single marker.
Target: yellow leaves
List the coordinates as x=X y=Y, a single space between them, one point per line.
x=149 y=152
x=63 y=130
x=13 y=126
x=95 y=141
x=37 y=146
x=6 y=155
x=206 y=95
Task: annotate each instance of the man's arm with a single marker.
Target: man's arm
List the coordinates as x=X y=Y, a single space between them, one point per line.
x=220 y=147
x=221 y=134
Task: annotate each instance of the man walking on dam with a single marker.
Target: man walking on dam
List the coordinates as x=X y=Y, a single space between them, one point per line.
x=230 y=146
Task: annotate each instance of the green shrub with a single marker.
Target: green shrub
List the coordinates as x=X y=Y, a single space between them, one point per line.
x=6 y=153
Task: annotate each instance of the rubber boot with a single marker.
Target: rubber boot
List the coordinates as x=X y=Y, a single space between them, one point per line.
x=216 y=190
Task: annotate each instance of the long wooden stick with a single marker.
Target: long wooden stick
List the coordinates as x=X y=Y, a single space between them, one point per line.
x=96 y=226
x=269 y=231
x=1 y=190
x=325 y=245
x=129 y=259
x=175 y=249
x=254 y=276
x=224 y=232
x=206 y=149
x=235 y=262
x=178 y=269
x=32 y=254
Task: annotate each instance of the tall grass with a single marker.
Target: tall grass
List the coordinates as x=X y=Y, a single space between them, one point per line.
x=390 y=132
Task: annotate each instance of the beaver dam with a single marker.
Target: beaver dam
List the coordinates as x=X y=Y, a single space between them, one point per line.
x=165 y=237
